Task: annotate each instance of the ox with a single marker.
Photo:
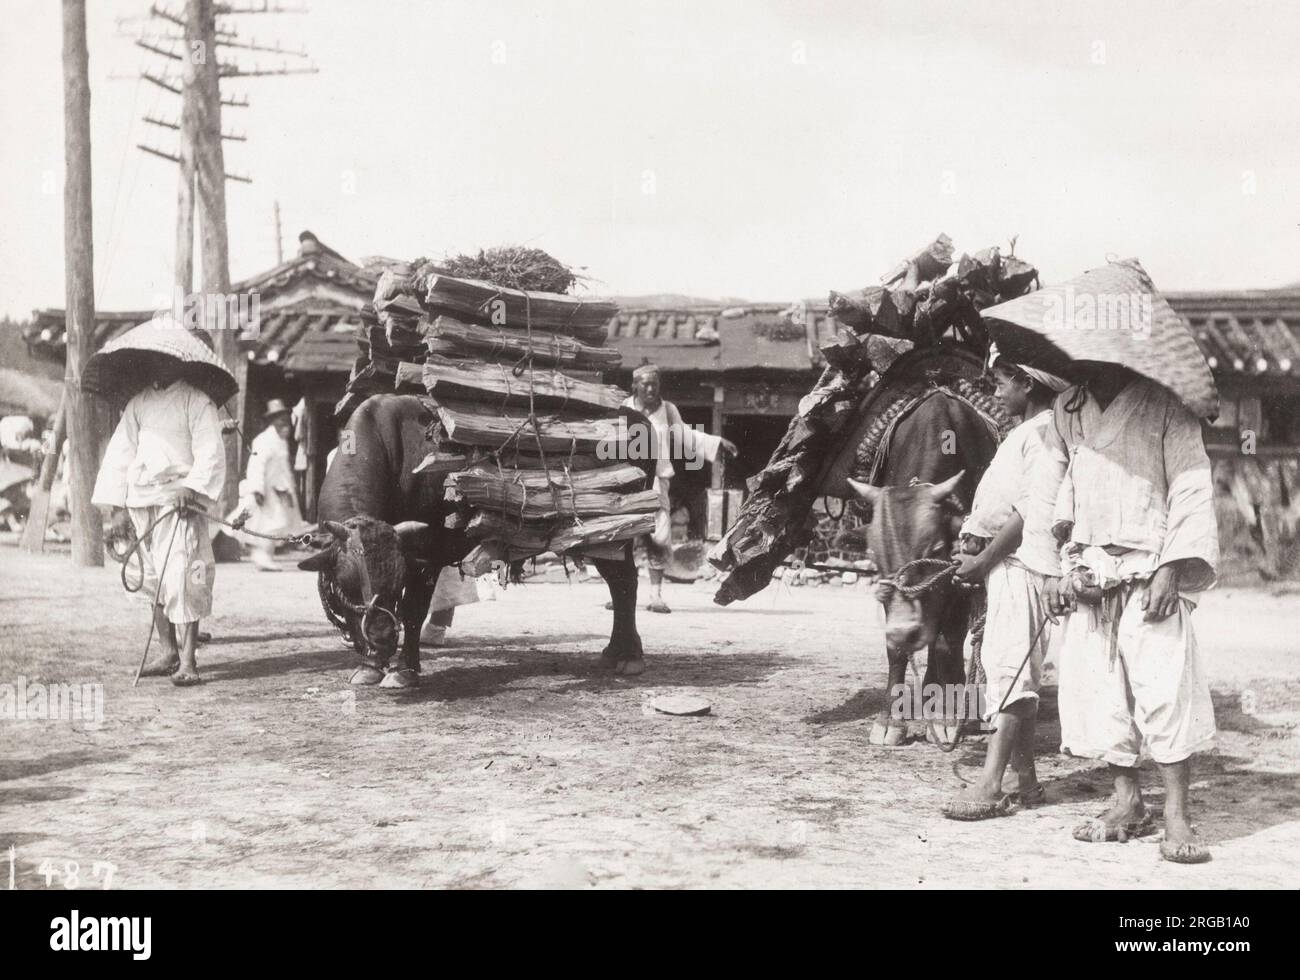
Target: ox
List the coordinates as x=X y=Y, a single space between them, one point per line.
x=383 y=544
x=933 y=463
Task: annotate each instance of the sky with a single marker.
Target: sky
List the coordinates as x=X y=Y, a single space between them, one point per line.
x=756 y=149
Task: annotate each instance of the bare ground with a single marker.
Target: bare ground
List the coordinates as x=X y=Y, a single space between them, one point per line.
x=520 y=762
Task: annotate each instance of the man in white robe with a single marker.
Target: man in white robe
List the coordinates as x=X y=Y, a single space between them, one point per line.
x=1136 y=509
x=1017 y=558
x=672 y=439
x=268 y=492
x=167 y=453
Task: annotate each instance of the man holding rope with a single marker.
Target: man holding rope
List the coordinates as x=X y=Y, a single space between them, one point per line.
x=162 y=473
x=1018 y=556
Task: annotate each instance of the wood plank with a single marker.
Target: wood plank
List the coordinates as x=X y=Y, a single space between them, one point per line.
x=581 y=437
x=499 y=385
x=586 y=319
x=603 y=477
x=537 y=537
x=546 y=347
x=516 y=501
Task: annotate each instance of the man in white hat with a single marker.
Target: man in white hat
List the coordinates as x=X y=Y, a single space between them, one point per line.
x=267 y=491
x=672 y=438
x=162 y=474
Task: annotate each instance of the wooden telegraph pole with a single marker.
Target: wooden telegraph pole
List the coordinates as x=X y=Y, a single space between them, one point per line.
x=78 y=260
x=203 y=176
x=210 y=176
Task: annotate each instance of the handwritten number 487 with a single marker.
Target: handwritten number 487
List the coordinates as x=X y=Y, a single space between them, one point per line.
x=70 y=876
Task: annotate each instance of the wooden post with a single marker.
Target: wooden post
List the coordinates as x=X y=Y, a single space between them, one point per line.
x=38 y=517
x=79 y=261
x=210 y=171
x=718 y=474
x=184 y=273
x=311 y=443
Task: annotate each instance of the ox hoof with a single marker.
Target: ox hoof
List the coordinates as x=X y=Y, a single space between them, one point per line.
x=400 y=679
x=887 y=736
x=366 y=674
x=943 y=733
x=630 y=668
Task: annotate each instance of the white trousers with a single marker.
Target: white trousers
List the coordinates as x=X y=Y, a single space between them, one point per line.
x=1013 y=620
x=1147 y=690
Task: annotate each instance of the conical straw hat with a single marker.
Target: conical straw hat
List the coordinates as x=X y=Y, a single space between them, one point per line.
x=117 y=372
x=1112 y=315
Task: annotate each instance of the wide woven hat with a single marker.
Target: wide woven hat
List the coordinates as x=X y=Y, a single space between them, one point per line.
x=1113 y=315
x=117 y=371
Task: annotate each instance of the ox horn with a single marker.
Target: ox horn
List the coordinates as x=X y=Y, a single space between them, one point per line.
x=866 y=491
x=335 y=528
x=940 y=491
x=408 y=528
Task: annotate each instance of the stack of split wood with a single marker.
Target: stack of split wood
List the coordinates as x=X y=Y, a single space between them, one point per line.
x=928 y=299
x=525 y=434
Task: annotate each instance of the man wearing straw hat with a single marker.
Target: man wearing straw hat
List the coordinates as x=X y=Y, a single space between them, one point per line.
x=672 y=438
x=162 y=474
x=267 y=491
x=1135 y=515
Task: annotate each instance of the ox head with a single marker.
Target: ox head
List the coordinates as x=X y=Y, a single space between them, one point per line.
x=907 y=523
x=362 y=564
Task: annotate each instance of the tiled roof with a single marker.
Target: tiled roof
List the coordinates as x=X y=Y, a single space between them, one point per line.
x=764 y=337
x=323 y=353
x=1255 y=332
x=280 y=326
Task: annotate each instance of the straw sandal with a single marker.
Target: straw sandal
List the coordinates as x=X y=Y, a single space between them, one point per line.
x=977 y=809
x=1097 y=831
x=1027 y=800
x=1188 y=852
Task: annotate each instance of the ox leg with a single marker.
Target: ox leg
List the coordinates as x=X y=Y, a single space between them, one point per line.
x=945 y=668
x=887 y=729
x=411 y=610
x=370 y=669
x=624 y=651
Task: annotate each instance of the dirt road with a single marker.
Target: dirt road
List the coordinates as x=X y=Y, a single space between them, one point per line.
x=520 y=762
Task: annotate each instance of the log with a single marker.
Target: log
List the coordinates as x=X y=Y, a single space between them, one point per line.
x=499 y=385
x=536 y=537
x=450 y=458
x=602 y=477
x=549 y=503
x=465 y=425
x=545 y=347
x=483 y=302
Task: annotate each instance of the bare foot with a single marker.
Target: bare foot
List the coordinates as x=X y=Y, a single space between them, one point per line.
x=979 y=792
x=162 y=665
x=186 y=677
x=1123 y=813
x=1179 y=831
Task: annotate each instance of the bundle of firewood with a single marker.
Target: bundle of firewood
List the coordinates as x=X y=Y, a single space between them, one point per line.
x=927 y=296
x=929 y=293
x=525 y=434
